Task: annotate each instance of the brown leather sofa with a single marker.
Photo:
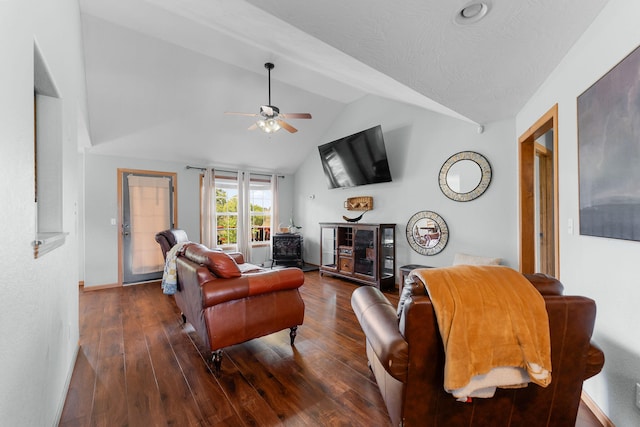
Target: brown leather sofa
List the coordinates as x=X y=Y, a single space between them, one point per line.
x=227 y=306
x=405 y=353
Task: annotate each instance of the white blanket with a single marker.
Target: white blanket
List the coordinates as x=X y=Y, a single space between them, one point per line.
x=170 y=275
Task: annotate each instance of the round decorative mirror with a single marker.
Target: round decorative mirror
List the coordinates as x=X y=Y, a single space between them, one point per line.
x=427 y=233
x=465 y=176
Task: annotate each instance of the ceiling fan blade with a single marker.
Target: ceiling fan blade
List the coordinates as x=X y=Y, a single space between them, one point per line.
x=296 y=115
x=253 y=127
x=286 y=126
x=241 y=114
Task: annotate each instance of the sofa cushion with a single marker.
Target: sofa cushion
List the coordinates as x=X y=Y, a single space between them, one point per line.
x=219 y=263
x=249 y=268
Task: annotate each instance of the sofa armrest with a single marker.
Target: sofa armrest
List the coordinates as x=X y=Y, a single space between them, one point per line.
x=379 y=322
x=217 y=291
x=545 y=284
x=595 y=361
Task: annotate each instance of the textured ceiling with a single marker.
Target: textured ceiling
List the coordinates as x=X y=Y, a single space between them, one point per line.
x=159 y=71
x=484 y=71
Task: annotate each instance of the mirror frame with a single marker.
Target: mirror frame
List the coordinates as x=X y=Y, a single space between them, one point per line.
x=485 y=180
x=444 y=233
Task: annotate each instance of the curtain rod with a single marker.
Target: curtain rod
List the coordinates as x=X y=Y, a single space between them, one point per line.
x=226 y=170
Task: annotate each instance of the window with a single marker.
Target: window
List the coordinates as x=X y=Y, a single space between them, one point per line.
x=260 y=201
x=226 y=189
x=258 y=209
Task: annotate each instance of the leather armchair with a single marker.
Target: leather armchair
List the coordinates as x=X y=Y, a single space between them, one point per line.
x=405 y=353
x=226 y=306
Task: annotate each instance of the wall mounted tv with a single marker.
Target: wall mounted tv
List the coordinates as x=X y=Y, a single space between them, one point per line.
x=357 y=159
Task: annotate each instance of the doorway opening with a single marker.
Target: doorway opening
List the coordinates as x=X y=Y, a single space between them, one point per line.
x=538 y=160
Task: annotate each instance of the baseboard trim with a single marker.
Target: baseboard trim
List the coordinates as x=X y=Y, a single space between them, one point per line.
x=118 y=285
x=595 y=409
x=67 y=384
x=152 y=282
x=99 y=287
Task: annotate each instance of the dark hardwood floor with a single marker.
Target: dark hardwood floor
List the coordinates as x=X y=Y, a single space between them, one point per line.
x=138 y=365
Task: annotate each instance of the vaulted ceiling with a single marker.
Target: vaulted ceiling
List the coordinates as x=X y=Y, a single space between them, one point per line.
x=162 y=73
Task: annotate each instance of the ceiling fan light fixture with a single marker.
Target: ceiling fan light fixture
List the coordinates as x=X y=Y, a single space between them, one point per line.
x=268 y=125
x=271 y=120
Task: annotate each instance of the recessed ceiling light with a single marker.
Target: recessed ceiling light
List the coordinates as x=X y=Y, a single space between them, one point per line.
x=472 y=13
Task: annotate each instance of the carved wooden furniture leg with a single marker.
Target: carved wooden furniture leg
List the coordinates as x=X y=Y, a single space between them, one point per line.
x=216 y=358
x=293 y=334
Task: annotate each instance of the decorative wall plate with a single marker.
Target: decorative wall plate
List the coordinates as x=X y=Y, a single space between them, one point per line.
x=427 y=233
x=465 y=176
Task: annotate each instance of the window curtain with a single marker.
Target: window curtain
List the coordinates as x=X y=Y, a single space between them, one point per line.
x=275 y=211
x=208 y=214
x=149 y=204
x=244 y=216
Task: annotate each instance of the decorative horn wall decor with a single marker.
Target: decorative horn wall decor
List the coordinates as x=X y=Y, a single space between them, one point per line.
x=356 y=219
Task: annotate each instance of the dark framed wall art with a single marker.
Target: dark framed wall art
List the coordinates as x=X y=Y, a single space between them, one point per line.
x=609 y=153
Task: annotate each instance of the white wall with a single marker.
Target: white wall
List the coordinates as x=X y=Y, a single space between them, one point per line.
x=39 y=303
x=418 y=142
x=602 y=269
x=101 y=205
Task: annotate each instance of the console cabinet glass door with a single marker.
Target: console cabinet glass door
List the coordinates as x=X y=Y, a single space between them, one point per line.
x=365 y=252
x=328 y=242
x=388 y=252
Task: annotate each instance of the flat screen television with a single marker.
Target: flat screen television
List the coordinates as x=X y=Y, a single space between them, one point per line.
x=357 y=159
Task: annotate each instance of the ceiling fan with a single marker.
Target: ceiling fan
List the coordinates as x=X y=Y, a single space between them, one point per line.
x=271 y=119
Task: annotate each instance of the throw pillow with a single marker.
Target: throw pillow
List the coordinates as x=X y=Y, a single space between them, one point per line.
x=465 y=259
x=222 y=265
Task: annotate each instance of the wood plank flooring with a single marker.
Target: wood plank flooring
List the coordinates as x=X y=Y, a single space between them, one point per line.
x=138 y=365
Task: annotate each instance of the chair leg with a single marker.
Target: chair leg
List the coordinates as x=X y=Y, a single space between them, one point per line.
x=216 y=358
x=293 y=334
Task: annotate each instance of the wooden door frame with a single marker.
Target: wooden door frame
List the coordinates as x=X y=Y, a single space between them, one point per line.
x=547 y=208
x=121 y=172
x=526 y=155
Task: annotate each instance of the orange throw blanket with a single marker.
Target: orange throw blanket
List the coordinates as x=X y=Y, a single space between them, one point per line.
x=494 y=328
